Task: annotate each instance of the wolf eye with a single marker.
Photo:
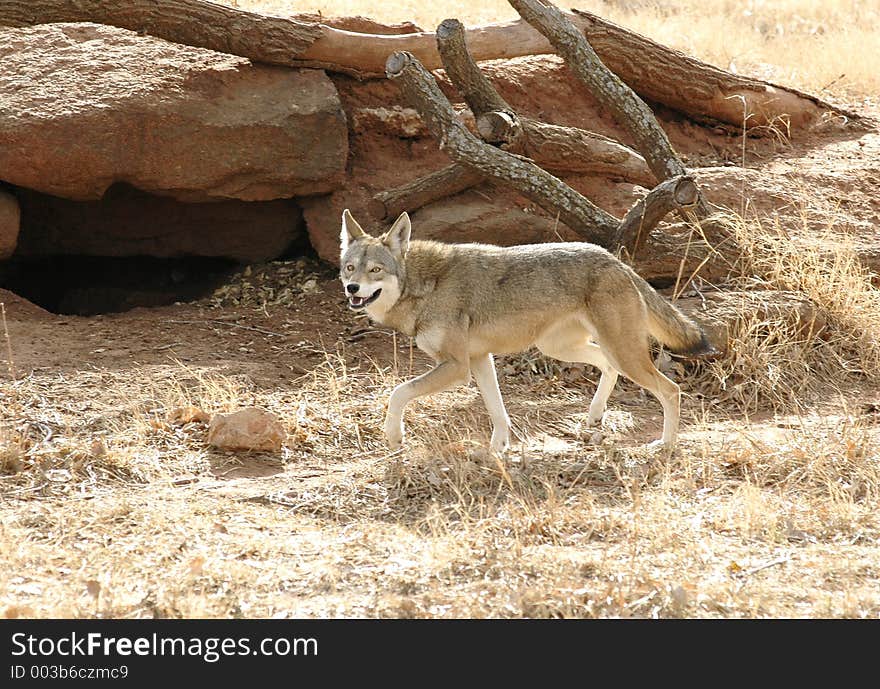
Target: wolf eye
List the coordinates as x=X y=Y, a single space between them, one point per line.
x=376 y=269
x=349 y=267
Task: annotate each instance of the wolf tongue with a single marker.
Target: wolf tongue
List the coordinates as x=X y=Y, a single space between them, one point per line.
x=357 y=300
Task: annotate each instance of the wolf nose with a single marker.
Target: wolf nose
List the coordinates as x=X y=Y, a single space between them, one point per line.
x=352 y=287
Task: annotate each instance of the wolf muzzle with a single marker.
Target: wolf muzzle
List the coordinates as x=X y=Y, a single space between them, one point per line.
x=354 y=302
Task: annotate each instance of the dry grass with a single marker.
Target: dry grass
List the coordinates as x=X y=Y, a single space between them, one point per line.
x=778 y=40
x=113 y=505
x=782 y=362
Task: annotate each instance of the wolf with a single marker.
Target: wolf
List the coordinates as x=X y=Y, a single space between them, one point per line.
x=464 y=303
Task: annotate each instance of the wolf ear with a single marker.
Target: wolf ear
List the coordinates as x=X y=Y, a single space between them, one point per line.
x=397 y=238
x=350 y=231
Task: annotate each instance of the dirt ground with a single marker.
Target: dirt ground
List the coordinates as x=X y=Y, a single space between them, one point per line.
x=113 y=505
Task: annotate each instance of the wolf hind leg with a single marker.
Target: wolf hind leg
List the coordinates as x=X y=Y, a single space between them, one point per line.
x=581 y=350
x=628 y=351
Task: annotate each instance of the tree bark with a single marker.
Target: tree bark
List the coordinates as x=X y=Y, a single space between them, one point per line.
x=627 y=108
x=655 y=72
x=559 y=150
x=570 y=150
x=421 y=91
x=191 y=22
x=554 y=148
x=448 y=181
x=502 y=128
x=663 y=75
x=463 y=72
x=677 y=193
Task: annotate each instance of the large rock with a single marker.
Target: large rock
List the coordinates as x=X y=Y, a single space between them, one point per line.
x=84 y=105
x=10 y=216
x=129 y=222
x=504 y=219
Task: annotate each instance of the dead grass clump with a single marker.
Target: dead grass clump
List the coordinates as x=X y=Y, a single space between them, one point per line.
x=777 y=359
x=345 y=501
x=458 y=487
x=826 y=269
x=769 y=362
x=13 y=447
x=835 y=461
x=210 y=391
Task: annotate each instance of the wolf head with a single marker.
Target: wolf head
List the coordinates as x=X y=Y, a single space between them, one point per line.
x=372 y=268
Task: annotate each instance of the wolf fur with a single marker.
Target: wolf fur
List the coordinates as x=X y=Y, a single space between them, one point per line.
x=465 y=302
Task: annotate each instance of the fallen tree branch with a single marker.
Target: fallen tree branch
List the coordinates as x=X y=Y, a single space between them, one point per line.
x=463 y=72
x=654 y=71
x=678 y=81
x=626 y=107
x=421 y=92
x=559 y=150
x=568 y=149
x=554 y=148
x=448 y=181
x=677 y=193
x=192 y=22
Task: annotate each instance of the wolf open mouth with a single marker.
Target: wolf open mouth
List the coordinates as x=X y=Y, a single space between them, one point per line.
x=361 y=302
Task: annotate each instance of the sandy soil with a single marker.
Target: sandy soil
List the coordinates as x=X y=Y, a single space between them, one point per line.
x=114 y=506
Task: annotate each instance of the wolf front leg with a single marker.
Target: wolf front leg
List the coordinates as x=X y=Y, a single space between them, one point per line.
x=483 y=368
x=443 y=376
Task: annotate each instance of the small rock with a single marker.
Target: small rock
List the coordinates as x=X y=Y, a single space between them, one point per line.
x=246 y=429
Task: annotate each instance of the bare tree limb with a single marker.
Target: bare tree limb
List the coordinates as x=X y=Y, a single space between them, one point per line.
x=559 y=150
x=567 y=149
x=555 y=148
x=678 y=81
x=627 y=108
x=192 y=22
x=448 y=181
x=654 y=71
x=677 y=193
x=463 y=72
x=421 y=91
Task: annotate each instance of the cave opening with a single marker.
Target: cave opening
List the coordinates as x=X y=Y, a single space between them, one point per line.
x=91 y=285
x=134 y=248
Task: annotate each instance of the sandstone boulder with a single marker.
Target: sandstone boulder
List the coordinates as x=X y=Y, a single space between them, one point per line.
x=10 y=216
x=85 y=105
x=129 y=222
x=504 y=219
x=246 y=429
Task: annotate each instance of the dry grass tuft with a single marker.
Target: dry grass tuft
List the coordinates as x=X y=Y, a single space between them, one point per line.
x=13 y=447
x=112 y=505
x=778 y=358
x=825 y=268
x=835 y=459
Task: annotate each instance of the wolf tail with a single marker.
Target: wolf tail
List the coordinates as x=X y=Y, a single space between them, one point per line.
x=671 y=327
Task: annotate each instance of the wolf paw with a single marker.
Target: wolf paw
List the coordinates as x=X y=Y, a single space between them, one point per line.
x=499 y=443
x=661 y=446
x=394 y=434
